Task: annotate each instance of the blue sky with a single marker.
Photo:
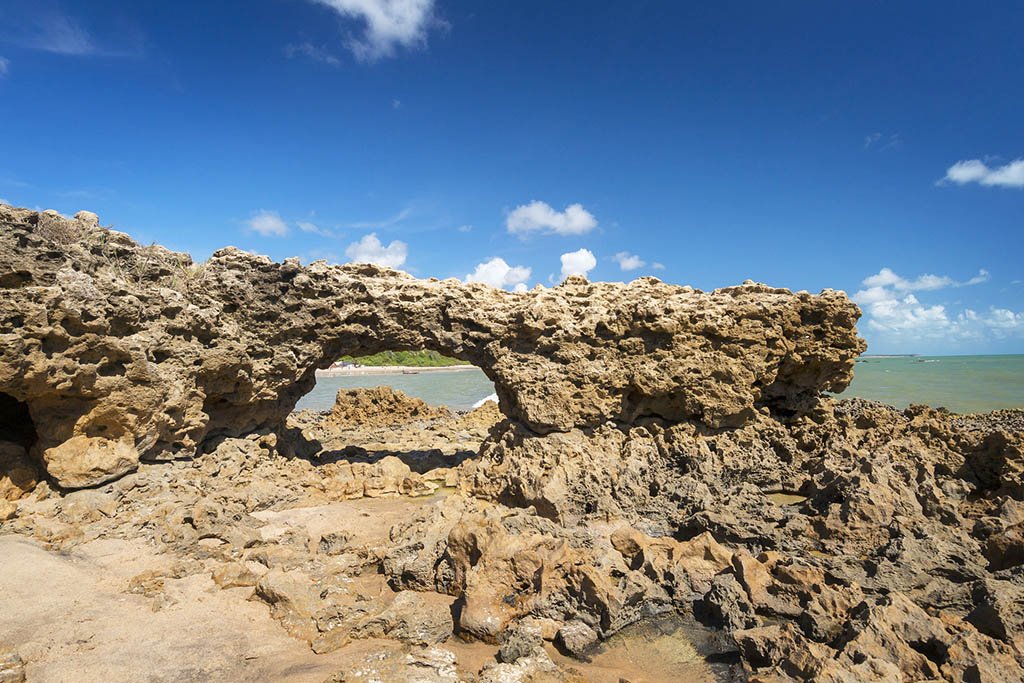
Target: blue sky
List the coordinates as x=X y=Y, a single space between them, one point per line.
x=874 y=147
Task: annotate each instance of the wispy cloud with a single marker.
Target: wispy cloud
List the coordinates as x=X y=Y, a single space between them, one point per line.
x=882 y=141
x=86 y=193
x=539 y=217
x=385 y=223
x=388 y=25
x=52 y=30
x=369 y=249
x=270 y=224
x=499 y=274
x=887 y=278
x=578 y=262
x=313 y=229
x=5 y=66
x=977 y=171
x=313 y=52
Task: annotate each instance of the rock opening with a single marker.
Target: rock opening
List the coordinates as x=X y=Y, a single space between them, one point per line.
x=18 y=474
x=16 y=425
x=662 y=450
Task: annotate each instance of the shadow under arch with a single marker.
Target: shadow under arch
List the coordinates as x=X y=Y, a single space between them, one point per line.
x=448 y=432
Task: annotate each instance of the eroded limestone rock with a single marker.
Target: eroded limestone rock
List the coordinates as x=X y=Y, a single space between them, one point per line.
x=105 y=339
x=658 y=450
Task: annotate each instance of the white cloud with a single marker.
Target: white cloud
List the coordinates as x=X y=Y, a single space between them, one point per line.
x=61 y=34
x=977 y=171
x=927 y=282
x=578 y=262
x=899 y=317
x=882 y=142
x=44 y=27
x=497 y=273
x=5 y=66
x=1005 y=320
x=386 y=223
x=390 y=24
x=540 y=217
x=658 y=266
x=908 y=315
x=313 y=52
x=313 y=229
x=268 y=224
x=465 y=228
x=629 y=261
x=370 y=250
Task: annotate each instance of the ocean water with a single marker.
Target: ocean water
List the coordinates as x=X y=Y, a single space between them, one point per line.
x=960 y=383
x=457 y=389
x=963 y=384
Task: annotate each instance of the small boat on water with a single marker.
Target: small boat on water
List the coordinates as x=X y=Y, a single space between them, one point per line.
x=410 y=372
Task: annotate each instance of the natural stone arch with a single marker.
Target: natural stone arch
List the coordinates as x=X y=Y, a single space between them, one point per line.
x=122 y=351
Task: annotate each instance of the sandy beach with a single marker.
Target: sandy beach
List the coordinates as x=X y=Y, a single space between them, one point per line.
x=356 y=371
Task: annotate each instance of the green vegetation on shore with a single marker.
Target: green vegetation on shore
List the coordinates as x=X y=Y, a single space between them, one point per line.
x=416 y=359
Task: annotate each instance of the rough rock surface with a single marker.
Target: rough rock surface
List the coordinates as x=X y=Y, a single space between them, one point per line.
x=145 y=355
x=661 y=455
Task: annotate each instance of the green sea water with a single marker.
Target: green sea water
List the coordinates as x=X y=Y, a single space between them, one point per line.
x=963 y=384
x=457 y=389
x=960 y=383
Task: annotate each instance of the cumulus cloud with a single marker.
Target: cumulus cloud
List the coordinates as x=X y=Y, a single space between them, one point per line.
x=369 y=249
x=658 y=266
x=907 y=314
x=497 y=273
x=389 y=25
x=578 y=262
x=629 y=261
x=540 y=217
x=313 y=52
x=907 y=318
x=5 y=66
x=977 y=171
x=268 y=224
x=895 y=312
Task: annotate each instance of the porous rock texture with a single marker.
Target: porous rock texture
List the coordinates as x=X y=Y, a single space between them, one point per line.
x=122 y=352
x=660 y=452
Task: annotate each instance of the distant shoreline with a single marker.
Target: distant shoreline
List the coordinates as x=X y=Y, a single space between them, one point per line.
x=388 y=370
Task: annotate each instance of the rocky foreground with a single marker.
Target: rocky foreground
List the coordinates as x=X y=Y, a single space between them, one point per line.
x=665 y=491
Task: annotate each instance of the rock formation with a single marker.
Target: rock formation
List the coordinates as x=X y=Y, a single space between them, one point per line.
x=121 y=352
x=659 y=452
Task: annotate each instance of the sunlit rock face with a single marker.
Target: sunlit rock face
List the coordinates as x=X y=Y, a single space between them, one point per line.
x=122 y=352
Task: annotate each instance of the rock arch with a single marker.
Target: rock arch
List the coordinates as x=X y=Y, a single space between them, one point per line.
x=122 y=351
